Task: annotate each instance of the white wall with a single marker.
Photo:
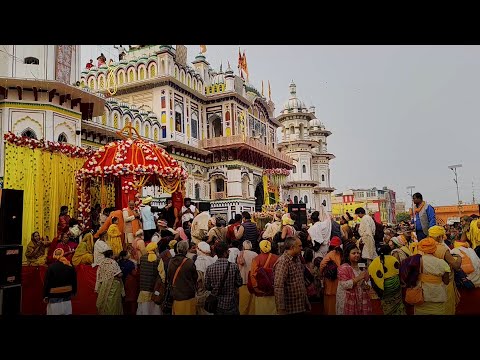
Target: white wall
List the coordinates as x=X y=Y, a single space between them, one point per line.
x=12 y=64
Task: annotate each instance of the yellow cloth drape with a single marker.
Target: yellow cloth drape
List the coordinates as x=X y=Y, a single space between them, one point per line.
x=48 y=182
x=474 y=234
x=266 y=196
x=95 y=193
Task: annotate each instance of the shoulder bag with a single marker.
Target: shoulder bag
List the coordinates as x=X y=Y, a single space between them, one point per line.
x=211 y=302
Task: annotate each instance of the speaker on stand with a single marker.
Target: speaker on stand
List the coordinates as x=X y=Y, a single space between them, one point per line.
x=11 y=251
x=299 y=212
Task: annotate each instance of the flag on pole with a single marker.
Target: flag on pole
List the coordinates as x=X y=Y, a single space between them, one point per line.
x=244 y=63
x=240 y=63
x=203 y=49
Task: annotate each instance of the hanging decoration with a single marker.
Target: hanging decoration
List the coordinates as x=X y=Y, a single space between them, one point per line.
x=132 y=163
x=53 y=147
x=47 y=178
x=276 y=176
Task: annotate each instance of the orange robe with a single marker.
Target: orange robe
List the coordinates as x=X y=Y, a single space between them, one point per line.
x=135 y=223
x=121 y=224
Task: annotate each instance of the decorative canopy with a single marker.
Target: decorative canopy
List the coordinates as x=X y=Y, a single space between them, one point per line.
x=135 y=163
x=133 y=156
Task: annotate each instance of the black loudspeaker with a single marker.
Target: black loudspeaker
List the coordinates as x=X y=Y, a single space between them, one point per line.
x=10 y=300
x=10 y=265
x=203 y=206
x=11 y=215
x=300 y=214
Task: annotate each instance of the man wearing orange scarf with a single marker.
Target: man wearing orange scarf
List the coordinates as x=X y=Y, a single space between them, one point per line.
x=131 y=221
x=424 y=216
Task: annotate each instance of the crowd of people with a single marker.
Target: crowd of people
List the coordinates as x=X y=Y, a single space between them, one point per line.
x=180 y=261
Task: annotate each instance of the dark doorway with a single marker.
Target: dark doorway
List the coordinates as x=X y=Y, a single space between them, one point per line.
x=217 y=127
x=259 y=197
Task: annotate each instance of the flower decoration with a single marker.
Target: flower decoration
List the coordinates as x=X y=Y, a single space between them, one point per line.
x=50 y=146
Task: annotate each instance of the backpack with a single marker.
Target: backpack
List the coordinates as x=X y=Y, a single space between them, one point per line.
x=264 y=278
x=330 y=271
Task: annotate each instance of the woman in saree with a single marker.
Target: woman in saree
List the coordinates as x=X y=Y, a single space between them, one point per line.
x=131 y=283
x=114 y=237
x=67 y=246
x=352 y=293
x=384 y=272
x=109 y=286
x=84 y=252
x=36 y=252
x=399 y=247
x=137 y=249
x=328 y=270
x=346 y=230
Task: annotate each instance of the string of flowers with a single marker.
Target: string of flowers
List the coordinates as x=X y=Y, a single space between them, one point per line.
x=61 y=147
x=277 y=171
x=276 y=176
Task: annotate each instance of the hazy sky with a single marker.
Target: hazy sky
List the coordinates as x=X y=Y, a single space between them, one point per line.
x=400 y=115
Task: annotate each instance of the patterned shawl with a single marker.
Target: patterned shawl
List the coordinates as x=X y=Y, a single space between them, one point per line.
x=410 y=270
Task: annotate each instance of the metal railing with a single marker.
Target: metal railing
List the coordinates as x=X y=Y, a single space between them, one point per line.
x=219 y=195
x=238 y=139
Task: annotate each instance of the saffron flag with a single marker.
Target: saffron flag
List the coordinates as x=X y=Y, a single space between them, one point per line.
x=203 y=49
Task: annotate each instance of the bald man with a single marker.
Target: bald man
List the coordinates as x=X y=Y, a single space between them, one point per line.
x=132 y=223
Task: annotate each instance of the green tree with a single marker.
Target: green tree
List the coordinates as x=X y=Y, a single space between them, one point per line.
x=403 y=216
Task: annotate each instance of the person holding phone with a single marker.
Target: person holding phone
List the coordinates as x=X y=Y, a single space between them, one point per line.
x=352 y=292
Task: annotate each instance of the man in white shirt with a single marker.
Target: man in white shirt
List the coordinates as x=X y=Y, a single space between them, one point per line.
x=367 y=233
x=189 y=211
x=199 y=228
x=148 y=220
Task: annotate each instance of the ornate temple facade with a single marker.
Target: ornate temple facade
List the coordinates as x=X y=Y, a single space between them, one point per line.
x=304 y=139
x=221 y=129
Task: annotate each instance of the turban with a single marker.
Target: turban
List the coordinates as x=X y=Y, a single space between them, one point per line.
x=58 y=255
x=458 y=244
x=203 y=247
x=265 y=246
x=436 y=231
x=151 y=251
x=399 y=241
x=147 y=200
x=335 y=241
x=182 y=234
x=286 y=220
x=247 y=245
x=172 y=243
x=428 y=245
